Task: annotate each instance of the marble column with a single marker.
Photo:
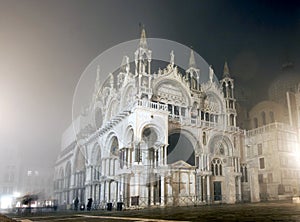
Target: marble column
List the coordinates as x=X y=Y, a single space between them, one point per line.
x=208 y=188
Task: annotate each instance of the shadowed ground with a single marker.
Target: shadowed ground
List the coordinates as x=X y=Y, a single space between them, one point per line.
x=269 y=211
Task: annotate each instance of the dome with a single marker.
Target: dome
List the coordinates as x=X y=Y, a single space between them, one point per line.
x=286 y=81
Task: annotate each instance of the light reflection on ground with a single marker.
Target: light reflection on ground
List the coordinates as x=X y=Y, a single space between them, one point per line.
x=269 y=211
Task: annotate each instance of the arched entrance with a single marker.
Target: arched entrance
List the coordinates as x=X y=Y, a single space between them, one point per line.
x=180 y=148
x=79 y=175
x=153 y=179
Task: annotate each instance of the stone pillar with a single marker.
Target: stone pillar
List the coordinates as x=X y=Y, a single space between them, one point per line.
x=239 y=189
x=208 y=189
x=162 y=190
x=200 y=188
x=102 y=191
x=151 y=192
x=165 y=154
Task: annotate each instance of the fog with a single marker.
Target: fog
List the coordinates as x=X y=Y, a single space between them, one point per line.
x=46 y=45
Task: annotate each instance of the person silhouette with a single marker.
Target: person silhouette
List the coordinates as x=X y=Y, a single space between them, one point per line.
x=89 y=204
x=76 y=201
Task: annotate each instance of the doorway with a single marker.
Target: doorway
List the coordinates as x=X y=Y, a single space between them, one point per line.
x=217 y=191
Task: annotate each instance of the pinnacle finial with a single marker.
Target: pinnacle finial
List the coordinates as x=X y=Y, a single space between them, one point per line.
x=143 y=41
x=192 y=62
x=226 y=70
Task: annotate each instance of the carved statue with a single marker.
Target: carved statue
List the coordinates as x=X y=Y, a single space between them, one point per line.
x=172 y=58
x=211 y=73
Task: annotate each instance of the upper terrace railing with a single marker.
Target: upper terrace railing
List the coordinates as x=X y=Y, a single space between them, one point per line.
x=152 y=105
x=182 y=119
x=270 y=127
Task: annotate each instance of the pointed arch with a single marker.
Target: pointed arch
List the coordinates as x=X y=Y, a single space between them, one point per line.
x=220 y=145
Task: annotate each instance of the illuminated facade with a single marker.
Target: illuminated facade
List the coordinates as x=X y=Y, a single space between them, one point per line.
x=161 y=139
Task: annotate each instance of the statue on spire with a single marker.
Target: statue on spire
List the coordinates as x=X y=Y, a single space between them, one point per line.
x=172 y=59
x=211 y=73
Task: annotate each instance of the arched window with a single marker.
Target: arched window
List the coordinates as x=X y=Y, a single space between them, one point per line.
x=206 y=116
x=231 y=117
x=216 y=167
x=255 y=123
x=272 y=120
x=224 y=89
x=244 y=171
x=263 y=116
x=114 y=147
x=204 y=138
x=230 y=89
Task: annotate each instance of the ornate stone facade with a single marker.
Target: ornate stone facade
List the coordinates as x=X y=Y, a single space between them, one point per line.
x=157 y=139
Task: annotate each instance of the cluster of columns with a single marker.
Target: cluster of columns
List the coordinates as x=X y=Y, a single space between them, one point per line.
x=125 y=157
x=203 y=188
x=236 y=164
x=202 y=162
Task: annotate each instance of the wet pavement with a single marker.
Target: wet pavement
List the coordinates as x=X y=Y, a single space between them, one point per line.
x=268 y=211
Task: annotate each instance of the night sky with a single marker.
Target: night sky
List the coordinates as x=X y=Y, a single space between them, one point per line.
x=46 y=45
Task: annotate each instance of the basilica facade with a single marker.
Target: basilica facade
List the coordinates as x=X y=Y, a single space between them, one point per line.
x=158 y=138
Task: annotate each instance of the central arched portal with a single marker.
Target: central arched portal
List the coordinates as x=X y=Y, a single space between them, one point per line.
x=180 y=148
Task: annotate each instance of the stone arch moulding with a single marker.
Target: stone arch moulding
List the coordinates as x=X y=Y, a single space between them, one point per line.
x=80 y=152
x=217 y=97
x=112 y=109
x=158 y=130
x=191 y=137
x=128 y=94
x=128 y=133
x=111 y=139
x=96 y=151
x=218 y=140
x=181 y=88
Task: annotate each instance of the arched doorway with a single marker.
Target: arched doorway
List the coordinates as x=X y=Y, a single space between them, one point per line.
x=153 y=179
x=79 y=175
x=180 y=148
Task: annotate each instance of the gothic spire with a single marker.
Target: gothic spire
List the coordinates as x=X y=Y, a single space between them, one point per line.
x=143 y=41
x=192 y=62
x=226 y=70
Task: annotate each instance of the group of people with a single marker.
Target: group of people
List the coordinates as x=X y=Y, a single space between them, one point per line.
x=82 y=206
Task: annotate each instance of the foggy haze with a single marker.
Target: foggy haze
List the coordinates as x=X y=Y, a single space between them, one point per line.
x=46 y=45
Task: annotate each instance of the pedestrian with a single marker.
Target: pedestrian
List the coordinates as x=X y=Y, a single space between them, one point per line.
x=89 y=204
x=76 y=201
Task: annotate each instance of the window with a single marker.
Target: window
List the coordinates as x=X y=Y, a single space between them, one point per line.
x=259 y=149
x=231 y=119
x=216 y=167
x=261 y=163
x=272 y=117
x=204 y=138
x=260 y=178
x=263 y=116
x=255 y=122
x=244 y=171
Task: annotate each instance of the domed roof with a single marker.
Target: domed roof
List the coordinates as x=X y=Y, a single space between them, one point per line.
x=286 y=81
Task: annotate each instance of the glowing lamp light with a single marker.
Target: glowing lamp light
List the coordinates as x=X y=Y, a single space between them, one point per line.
x=6 y=202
